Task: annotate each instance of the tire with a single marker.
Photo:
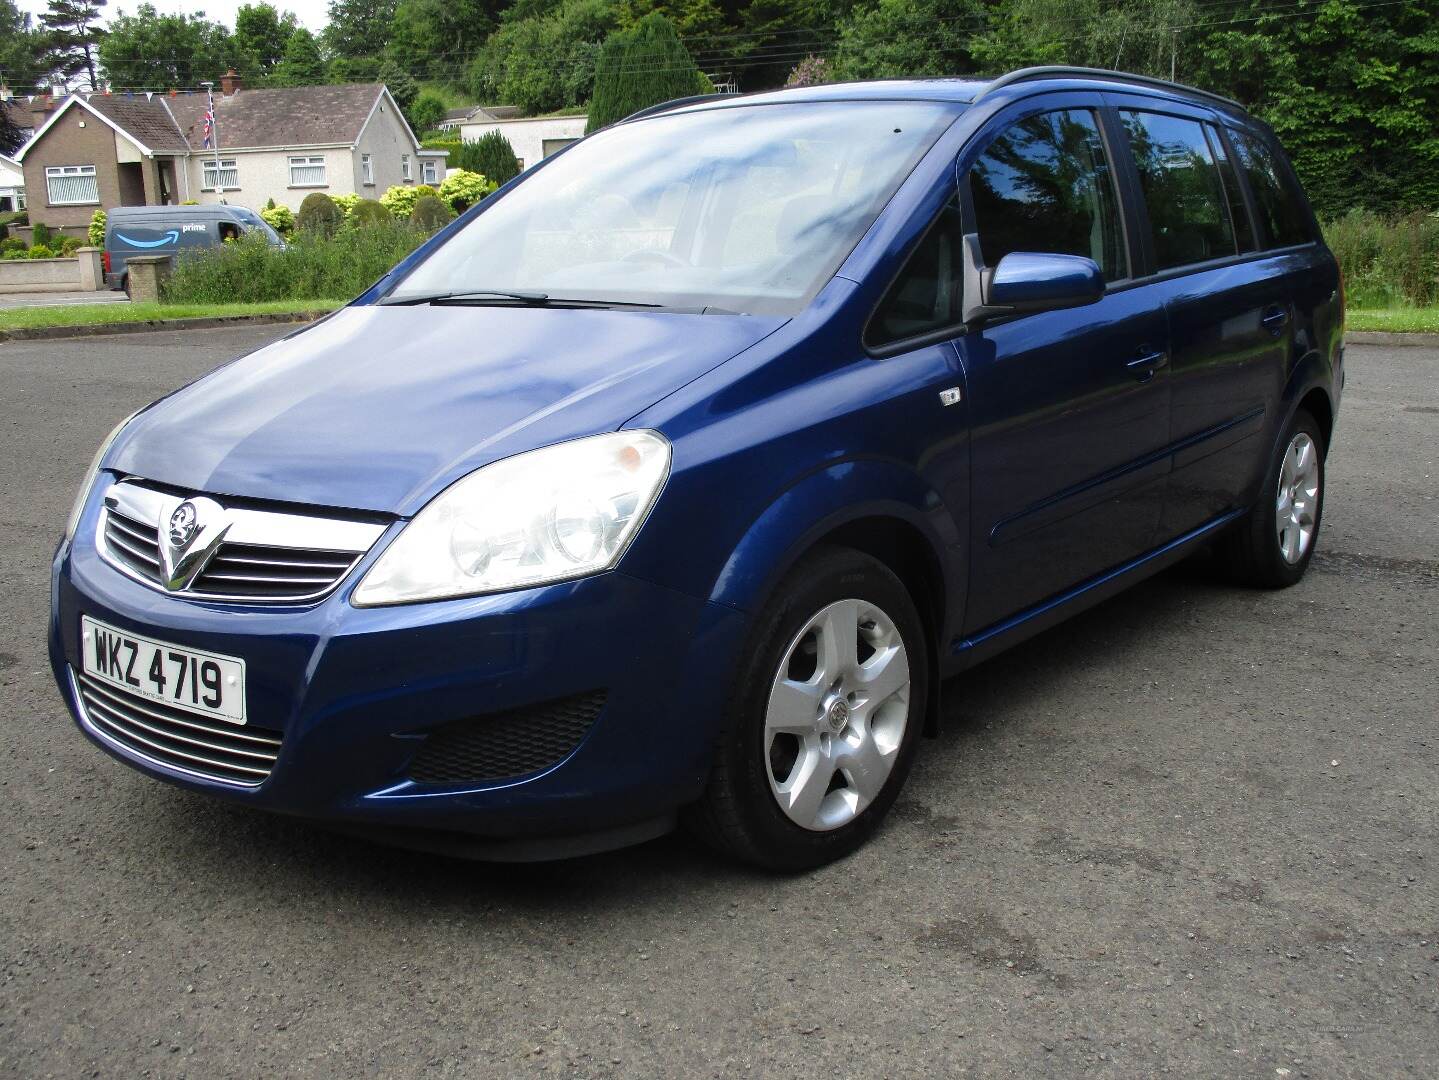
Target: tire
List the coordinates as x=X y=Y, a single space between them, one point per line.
x=807 y=711
x=1257 y=552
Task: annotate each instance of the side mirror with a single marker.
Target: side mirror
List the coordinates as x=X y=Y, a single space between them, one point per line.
x=1027 y=281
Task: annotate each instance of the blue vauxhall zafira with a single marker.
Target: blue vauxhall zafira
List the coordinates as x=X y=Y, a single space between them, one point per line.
x=667 y=484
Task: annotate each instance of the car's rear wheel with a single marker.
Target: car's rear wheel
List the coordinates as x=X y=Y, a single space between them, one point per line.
x=1272 y=545
x=823 y=718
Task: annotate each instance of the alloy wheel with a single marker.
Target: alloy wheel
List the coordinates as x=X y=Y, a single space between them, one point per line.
x=1297 y=498
x=837 y=713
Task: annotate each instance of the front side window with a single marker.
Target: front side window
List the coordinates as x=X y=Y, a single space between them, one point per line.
x=926 y=296
x=367 y=169
x=307 y=172
x=746 y=208
x=19 y=198
x=1188 y=213
x=226 y=173
x=71 y=184
x=1046 y=185
x=405 y=167
x=429 y=173
x=1281 y=213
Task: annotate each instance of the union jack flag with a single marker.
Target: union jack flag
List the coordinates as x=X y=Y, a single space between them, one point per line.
x=209 y=128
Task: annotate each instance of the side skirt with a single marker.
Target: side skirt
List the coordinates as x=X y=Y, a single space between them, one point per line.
x=981 y=645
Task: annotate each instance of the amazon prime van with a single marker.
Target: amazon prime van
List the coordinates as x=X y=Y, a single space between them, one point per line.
x=168 y=230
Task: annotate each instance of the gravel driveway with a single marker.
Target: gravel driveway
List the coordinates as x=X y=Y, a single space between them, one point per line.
x=1192 y=831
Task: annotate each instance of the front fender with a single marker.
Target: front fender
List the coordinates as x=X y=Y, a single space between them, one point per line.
x=823 y=503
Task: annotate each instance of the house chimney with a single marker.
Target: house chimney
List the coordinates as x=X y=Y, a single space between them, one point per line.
x=230 y=83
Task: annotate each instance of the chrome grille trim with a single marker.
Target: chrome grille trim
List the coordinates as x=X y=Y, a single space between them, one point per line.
x=265 y=557
x=185 y=742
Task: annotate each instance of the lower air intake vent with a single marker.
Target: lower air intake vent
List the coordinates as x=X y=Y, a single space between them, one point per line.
x=506 y=744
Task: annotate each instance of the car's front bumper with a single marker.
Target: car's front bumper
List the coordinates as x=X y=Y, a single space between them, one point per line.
x=356 y=690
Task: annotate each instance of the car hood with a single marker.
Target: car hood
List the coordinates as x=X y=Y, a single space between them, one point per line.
x=380 y=408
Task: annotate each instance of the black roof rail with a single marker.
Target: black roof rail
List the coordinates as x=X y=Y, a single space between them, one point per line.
x=1061 y=72
x=673 y=103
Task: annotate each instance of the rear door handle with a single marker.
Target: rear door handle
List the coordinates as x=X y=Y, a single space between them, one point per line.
x=1147 y=363
x=1274 y=319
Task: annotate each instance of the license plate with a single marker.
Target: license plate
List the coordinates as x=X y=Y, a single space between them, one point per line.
x=205 y=683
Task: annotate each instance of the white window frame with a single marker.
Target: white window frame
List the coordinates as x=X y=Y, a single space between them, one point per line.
x=407 y=172
x=229 y=174
x=429 y=171
x=306 y=163
x=19 y=198
x=367 y=170
x=71 y=172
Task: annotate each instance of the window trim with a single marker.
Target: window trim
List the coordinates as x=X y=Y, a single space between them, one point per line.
x=57 y=172
x=208 y=169
x=429 y=171
x=309 y=161
x=367 y=170
x=407 y=169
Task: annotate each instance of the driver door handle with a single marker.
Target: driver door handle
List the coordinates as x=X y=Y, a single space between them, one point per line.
x=1147 y=363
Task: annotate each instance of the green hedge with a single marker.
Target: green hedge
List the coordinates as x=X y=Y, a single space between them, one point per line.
x=1387 y=261
x=312 y=267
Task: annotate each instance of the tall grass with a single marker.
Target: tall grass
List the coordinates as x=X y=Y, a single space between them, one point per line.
x=1387 y=262
x=311 y=267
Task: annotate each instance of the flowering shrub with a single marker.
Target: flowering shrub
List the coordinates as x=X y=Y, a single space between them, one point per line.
x=400 y=199
x=462 y=189
x=97 y=229
x=279 y=218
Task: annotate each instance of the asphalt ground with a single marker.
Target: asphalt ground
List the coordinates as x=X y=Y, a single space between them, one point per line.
x=60 y=299
x=1190 y=832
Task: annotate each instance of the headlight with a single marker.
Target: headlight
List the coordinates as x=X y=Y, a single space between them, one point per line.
x=88 y=484
x=548 y=515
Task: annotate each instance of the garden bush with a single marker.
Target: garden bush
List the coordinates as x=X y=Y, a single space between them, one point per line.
x=491 y=155
x=430 y=213
x=40 y=251
x=313 y=267
x=12 y=244
x=346 y=203
x=1387 y=261
x=462 y=189
x=400 y=200
x=69 y=245
x=97 y=229
x=319 y=214
x=40 y=236
x=279 y=218
x=369 y=213
x=13 y=253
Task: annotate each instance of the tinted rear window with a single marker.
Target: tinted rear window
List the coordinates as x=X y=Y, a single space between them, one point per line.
x=1276 y=199
x=1188 y=211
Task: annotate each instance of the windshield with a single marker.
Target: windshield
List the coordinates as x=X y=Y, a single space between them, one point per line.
x=254 y=221
x=747 y=209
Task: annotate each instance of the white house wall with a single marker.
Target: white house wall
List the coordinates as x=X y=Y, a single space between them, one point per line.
x=385 y=139
x=265 y=175
x=528 y=137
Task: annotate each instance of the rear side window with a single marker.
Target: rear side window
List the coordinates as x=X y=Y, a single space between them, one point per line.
x=1281 y=212
x=1188 y=211
x=1046 y=185
x=926 y=294
x=1238 y=215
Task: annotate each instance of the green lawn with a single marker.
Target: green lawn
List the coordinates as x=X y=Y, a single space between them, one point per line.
x=93 y=314
x=1401 y=320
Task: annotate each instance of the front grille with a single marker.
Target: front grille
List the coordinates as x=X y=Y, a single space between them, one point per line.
x=271 y=573
x=182 y=740
x=265 y=556
x=134 y=543
x=507 y=744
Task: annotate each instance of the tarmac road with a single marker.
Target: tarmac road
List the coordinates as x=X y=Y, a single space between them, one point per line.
x=1191 y=832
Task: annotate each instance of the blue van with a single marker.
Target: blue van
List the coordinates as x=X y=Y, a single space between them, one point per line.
x=668 y=484
x=169 y=230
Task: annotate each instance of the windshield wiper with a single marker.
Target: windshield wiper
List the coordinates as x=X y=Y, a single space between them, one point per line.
x=496 y=296
x=465 y=295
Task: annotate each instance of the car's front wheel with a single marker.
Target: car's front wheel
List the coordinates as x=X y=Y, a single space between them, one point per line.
x=823 y=717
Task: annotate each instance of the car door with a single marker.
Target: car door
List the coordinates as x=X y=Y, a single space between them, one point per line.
x=1069 y=409
x=1229 y=311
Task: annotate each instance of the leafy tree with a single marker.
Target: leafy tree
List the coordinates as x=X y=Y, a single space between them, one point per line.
x=640 y=67
x=491 y=155
x=10 y=138
x=543 y=59
x=908 y=37
x=72 y=32
x=775 y=31
x=359 y=28
x=262 y=36
x=22 y=49
x=811 y=71
x=403 y=88
x=150 y=51
x=462 y=189
x=302 y=64
x=353 y=69
x=426 y=111
x=434 y=39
